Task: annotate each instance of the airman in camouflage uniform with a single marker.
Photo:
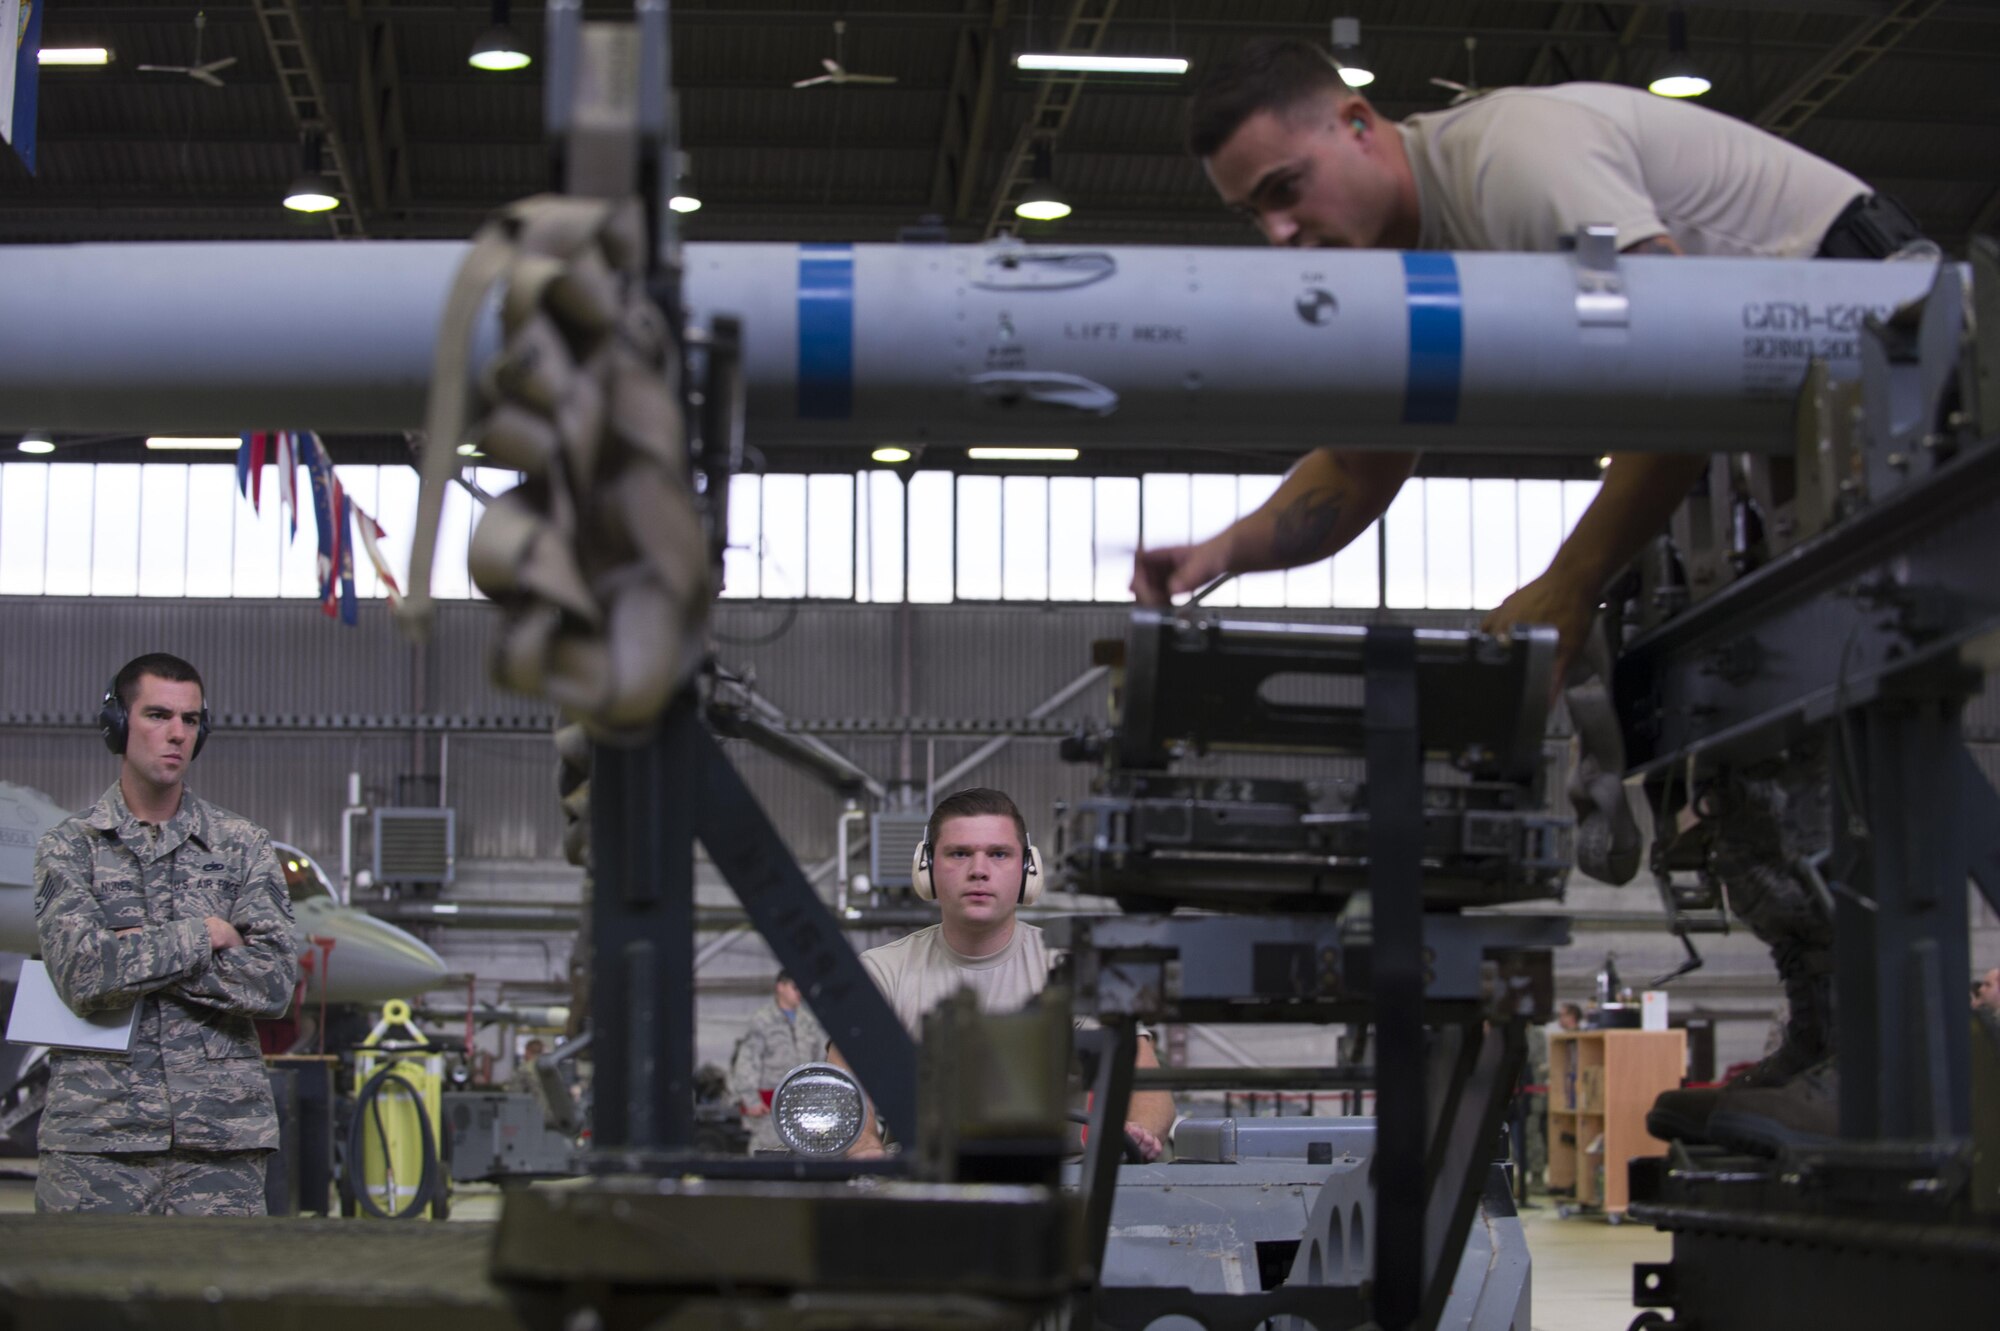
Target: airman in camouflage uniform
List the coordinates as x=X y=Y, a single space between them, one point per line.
x=188 y=917
x=783 y=1034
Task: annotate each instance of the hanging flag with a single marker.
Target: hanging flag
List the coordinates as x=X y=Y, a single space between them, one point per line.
x=288 y=478
x=335 y=514
x=350 y=613
x=371 y=531
x=259 y=444
x=20 y=75
x=325 y=509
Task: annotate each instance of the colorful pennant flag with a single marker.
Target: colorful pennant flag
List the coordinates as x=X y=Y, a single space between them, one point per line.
x=20 y=75
x=335 y=513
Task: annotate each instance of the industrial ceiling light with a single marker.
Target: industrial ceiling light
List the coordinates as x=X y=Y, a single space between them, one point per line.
x=1043 y=202
x=1011 y=454
x=167 y=443
x=73 y=55
x=311 y=192
x=684 y=199
x=37 y=442
x=498 y=49
x=1680 y=76
x=1356 y=70
x=1060 y=63
x=889 y=455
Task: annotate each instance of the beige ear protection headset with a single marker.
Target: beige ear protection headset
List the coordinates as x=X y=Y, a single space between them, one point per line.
x=1031 y=873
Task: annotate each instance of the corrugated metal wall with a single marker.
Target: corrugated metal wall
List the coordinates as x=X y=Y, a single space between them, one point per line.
x=818 y=661
x=282 y=658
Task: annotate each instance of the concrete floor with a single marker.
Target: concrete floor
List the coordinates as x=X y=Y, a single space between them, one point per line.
x=1582 y=1280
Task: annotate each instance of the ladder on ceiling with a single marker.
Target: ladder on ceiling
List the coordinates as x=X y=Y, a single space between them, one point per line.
x=305 y=93
x=1055 y=100
x=1831 y=73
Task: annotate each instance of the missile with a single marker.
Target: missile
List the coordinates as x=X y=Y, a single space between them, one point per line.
x=1144 y=348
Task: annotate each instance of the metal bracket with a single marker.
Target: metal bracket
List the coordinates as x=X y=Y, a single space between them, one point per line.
x=1046 y=388
x=1693 y=962
x=1015 y=267
x=1601 y=301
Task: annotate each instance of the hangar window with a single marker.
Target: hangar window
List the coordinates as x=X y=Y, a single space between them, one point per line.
x=171 y=530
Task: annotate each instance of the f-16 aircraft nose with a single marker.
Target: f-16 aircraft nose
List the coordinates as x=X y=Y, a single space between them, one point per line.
x=368 y=961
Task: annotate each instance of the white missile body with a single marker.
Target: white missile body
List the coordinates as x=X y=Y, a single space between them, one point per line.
x=1116 y=347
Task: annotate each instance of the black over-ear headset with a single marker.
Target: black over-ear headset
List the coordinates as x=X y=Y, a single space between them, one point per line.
x=115 y=720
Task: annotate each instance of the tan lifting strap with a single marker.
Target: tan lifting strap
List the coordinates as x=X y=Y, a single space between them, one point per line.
x=1608 y=841
x=598 y=558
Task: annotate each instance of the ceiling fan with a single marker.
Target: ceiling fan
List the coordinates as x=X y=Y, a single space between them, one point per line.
x=836 y=72
x=196 y=70
x=1466 y=91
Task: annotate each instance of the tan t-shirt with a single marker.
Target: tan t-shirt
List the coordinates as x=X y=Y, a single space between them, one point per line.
x=1521 y=168
x=918 y=972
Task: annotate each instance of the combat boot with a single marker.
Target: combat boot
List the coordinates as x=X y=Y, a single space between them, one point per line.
x=1683 y=1115
x=1764 y=1120
x=1767 y=826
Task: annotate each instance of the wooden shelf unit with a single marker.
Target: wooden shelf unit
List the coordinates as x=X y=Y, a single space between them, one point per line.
x=1601 y=1083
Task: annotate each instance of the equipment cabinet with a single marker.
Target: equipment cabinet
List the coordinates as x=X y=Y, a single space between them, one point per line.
x=1601 y=1083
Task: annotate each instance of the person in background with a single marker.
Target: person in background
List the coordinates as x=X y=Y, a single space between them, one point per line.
x=782 y=1034
x=155 y=897
x=981 y=869
x=522 y=1082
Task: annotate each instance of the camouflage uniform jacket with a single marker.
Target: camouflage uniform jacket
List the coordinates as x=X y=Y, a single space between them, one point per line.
x=772 y=1047
x=194 y=1080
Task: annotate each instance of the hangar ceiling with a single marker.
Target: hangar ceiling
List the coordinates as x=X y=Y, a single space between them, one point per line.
x=433 y=144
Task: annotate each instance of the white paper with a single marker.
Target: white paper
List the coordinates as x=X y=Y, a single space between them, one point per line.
x=1653 y=1010
x=41 y=1017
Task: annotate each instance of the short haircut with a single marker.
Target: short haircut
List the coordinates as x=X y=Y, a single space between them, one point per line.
x=1572 y=1010
x=784 y=977
x=1269 y=74
x=977 y=802
x=160 y=665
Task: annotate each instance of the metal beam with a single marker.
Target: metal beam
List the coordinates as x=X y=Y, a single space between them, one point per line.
x=968 y=108
x=1613 y=68
x=1248 y=20
x=1568 y=18
x=1989 y=213
x=1820 y=84
x=958 y=771
x=379 y=91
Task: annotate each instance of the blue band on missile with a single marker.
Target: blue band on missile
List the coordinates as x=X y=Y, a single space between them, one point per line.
x=826 y=332
x=1437 y=339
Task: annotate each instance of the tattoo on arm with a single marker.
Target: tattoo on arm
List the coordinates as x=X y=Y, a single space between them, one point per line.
x=1304 y=527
